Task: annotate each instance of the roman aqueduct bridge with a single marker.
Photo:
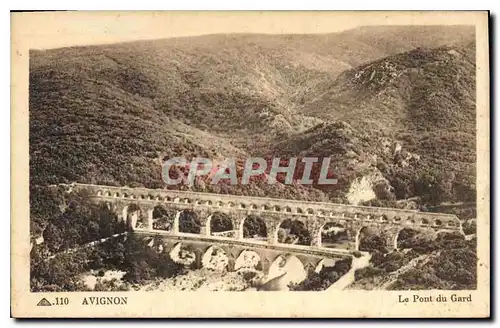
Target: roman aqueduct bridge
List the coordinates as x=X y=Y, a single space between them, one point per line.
x=136 y=206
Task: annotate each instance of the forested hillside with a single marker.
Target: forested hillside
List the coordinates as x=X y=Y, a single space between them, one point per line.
x=394 y=105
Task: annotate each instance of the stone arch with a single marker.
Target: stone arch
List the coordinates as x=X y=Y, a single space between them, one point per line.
x=189 y=222
x=142 y=216
x=403 y=236
x=125 y=195
x=220 y=224
x=437 y=223
x=215 y=258
x=183 y=255
x=253 y=206
x=384 y=219
x=424 y=221
x=100 y=192
x=289 y=266
x=116 y=195
x=309 y=211
x=293 y=231
x=333 y=234
x=248 y=259
x=287 y=209
x=312 y=265
x=107 y=193
x=163 y=218
x=254 y=227
x=369 y=238
x=131 y=214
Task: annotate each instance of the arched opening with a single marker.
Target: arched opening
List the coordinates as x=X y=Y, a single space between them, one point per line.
x=163 y=218
x=407 y=238
x=334 y=235
x=183 y=255
x=285 y=269
x=142 y=219
x=368 y=240
x=383 y=218
x=248 y=260
x=215 y=258
x=189 y=222
x=254 y=227
x=133 y=216
x=293 y=232
x=221 y=225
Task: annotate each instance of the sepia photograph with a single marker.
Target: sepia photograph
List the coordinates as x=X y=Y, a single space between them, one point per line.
x=347 y=155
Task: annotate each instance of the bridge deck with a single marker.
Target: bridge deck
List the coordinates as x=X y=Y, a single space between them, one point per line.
x=228 y=197
x=290 y=248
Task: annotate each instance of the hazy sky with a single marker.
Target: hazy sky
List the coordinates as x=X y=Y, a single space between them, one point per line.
x=54 y=30
x=60 y=29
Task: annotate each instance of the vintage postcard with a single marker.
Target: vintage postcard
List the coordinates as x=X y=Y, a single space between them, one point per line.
x=250 y=164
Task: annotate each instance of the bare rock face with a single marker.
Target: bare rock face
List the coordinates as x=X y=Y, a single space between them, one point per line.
x=361 y=190
x=372 y=186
